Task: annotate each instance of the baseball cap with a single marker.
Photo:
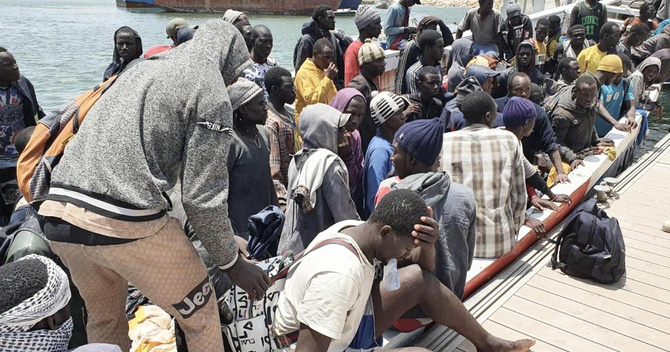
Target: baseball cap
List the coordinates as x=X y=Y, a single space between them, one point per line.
x=175 y=25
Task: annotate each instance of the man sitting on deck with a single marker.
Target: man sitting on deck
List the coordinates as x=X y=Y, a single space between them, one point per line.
x=396 y=24
x=328 y=319
x=485 y=23
x=368 y=22
x=490 y=162
x=416 y=148
x=574 y=118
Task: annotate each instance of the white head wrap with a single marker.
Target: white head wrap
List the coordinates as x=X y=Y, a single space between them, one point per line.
x=16 y=322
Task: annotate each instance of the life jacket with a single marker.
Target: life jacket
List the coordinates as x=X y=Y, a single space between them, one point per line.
x=48 y=141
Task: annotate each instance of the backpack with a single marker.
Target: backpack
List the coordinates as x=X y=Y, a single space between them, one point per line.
x=591 y=245
x=48 y=141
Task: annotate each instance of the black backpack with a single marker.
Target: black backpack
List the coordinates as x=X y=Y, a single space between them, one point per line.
x=590 y=245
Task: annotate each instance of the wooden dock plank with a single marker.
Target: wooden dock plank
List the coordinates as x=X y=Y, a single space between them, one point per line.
x=655 y=236
x=612 y=306
x=654 y=258
x=567 y=313
x=510 y=334
x=647 y=267
x=534 y=327
x=622 y=333
x=653 y=279
x=646 y=247
x=628 y=296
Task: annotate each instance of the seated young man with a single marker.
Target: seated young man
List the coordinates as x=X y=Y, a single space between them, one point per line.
x=34 y=311
x=328 y=319
x=573 y=121
x=490 y=162
x=416 y=148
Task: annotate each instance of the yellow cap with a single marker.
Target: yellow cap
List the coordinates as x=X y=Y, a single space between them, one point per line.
x=611 y=63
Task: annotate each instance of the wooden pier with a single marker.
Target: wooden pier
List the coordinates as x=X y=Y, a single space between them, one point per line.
x=568 y=314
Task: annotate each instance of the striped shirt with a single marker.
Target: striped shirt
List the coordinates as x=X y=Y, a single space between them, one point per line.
x=282 y=148
x=490 y=162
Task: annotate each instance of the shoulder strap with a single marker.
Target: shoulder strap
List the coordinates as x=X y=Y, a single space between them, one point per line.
x=284 y=271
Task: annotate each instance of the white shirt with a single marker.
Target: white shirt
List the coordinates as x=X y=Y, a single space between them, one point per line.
x=327 y=290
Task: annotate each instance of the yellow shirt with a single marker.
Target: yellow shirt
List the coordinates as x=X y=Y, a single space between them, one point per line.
x=589 y=59
x=541 y=53
x=311 y=87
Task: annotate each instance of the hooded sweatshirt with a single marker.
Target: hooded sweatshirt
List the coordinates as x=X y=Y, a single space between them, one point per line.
x=637 y=78
x=455 y=210
x=574 y=126
x=318 y=183
x=167 y=119
x=461 y=52
x=535 y=75
x=118 y=64
x=651 y=45
x=354 y=160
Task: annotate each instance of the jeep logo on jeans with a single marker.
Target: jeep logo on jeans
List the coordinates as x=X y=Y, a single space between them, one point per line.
x=195 y=299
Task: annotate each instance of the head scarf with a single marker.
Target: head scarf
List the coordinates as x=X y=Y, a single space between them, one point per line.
x=118 y=64
x=15 y=324
x=231 y=15
x=343 y=97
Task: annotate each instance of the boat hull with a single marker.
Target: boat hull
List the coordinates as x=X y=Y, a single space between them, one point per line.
x=275 y=7
x=350 y=4
x=135 y=3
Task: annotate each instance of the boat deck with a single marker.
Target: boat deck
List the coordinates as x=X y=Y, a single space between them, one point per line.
x=568 y=314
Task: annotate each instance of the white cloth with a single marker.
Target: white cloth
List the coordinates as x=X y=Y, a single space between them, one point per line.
x=327 y=292
x=312 y=173
x=46 y=302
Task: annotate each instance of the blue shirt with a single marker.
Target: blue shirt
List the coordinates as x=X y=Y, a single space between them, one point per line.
x=392 y=23
x=612 y=97
x=378 y=167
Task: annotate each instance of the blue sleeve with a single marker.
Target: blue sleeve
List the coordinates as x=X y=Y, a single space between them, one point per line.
x=377 y=168
x=389 y=25
x=544 y=133
x=629 y=92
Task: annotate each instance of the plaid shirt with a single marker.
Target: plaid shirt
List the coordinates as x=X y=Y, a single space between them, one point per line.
x=490 y=162
x=282 y=148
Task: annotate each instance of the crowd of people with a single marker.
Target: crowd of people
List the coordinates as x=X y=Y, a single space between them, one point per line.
x=197 y=146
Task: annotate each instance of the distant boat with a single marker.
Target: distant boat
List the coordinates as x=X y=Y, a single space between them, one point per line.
x=135 y=3
x=350 y=4
x=273 y=7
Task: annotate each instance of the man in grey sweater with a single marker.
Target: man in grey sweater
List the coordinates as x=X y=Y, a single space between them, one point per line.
x=164 y=120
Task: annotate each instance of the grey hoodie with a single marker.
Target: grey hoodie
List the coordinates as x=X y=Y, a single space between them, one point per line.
x=166 y=119
x=454 y=209
x=319 y=124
